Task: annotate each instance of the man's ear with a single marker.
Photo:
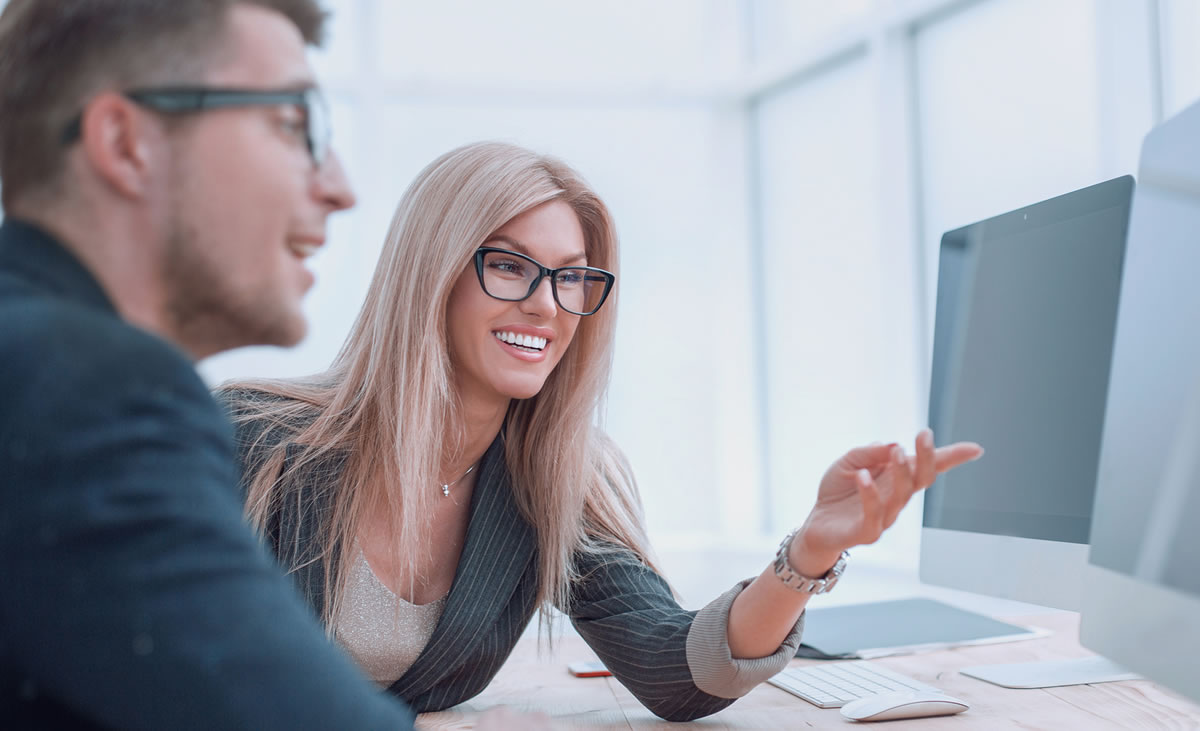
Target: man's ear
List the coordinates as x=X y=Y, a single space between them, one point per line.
x=118 y=143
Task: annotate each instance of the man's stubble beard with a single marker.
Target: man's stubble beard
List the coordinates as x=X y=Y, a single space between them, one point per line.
x=207 y=311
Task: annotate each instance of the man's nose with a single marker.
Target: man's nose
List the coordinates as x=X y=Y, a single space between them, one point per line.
x=332 y=185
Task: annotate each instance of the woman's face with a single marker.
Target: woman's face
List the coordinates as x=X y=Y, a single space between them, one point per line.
x=487 y=368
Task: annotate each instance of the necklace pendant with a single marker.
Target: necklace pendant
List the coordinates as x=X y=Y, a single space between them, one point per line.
x=445 y=486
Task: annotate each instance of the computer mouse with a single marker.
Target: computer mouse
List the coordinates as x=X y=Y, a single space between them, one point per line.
x=902 y=704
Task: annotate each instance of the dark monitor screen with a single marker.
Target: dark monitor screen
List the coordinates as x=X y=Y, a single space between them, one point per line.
x=1026 y=311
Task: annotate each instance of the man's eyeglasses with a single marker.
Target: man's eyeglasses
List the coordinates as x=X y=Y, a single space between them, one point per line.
x=187 y=99
x=507 y=275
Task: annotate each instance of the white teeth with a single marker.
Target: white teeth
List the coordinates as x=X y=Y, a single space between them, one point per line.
x=531 y=342
x=303 y=250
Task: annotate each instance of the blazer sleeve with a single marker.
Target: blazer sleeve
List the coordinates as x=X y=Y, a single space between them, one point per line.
x=676 y=662
x=134 y=592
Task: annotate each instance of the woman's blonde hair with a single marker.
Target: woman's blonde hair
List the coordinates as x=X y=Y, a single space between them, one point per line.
x=387 y=404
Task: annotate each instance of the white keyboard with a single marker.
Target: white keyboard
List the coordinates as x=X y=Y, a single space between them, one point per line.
x=834 y=684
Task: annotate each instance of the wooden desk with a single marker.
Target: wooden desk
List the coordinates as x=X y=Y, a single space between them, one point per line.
x=528 y=682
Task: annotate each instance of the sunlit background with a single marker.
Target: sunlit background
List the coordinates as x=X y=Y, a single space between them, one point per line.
x=780 y=172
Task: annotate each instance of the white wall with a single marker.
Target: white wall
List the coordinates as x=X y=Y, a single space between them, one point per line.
x=780 y=172
x=1022 y=100
x=624 y=93
x=1179 y=21
x=836 y=316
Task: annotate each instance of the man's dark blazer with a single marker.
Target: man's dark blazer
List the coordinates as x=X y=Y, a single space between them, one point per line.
x=623 y=609
x=132 y=594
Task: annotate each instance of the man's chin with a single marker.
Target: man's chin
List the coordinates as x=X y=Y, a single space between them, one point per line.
x=285 y=331
x=292 y=332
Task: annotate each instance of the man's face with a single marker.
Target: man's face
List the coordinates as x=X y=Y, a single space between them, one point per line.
x=245 y=204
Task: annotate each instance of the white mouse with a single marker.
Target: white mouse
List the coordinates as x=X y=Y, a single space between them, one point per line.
x=902 y=704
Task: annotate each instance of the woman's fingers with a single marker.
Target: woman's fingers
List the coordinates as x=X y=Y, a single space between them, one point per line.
x=902 y=487
x=872 y=502
x=925 y=471
x=952 y=455
x=886 y=478
x=925 y=465
x=869 y=457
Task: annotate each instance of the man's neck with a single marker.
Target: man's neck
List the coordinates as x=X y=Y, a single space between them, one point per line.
x=126 y=266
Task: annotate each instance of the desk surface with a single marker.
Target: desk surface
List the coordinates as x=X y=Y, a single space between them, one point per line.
x=533 y=682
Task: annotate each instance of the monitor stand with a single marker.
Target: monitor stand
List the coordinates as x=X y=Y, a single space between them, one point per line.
x=1051 y=673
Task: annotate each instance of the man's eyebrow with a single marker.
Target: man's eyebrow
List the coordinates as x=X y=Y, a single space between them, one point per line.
x=299 y=82
x=294 y=81
x=521 y=248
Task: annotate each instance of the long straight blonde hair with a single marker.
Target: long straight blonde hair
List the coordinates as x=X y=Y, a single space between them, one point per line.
x=388 y=408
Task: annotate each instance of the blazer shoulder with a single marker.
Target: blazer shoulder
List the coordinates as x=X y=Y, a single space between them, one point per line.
x=32 y=328
x=60 y=358
x=258 y=426
x=255 y=424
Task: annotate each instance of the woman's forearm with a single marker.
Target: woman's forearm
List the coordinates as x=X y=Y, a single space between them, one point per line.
x=765 y=612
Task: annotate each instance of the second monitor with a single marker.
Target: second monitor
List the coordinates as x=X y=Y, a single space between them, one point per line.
x=1023 y=337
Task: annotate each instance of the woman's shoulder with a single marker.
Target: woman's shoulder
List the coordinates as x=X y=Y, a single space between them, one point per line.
x=239 y=399
x=262 y=418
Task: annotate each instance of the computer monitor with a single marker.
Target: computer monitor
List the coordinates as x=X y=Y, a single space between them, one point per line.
x=1141 y=603
x=1023 y=337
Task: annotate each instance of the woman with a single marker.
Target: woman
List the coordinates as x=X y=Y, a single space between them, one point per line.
x=443 y=480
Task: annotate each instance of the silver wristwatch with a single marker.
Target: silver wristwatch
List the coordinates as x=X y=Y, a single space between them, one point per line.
x=804 y=584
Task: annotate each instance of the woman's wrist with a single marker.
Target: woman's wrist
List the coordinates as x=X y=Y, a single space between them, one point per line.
x=812 y=561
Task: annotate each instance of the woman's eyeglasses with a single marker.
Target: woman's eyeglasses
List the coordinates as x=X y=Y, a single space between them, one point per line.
x=507 y=275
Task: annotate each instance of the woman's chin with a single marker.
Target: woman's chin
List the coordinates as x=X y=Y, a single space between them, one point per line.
x=522 y=391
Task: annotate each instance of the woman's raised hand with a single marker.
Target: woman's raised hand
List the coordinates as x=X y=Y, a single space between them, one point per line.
x=863 y=492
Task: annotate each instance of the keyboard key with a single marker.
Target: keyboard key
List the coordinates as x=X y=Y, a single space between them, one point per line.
x=834 y=684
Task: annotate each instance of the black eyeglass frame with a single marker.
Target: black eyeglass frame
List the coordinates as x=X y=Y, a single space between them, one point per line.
x=187 y=99
x=594 y=274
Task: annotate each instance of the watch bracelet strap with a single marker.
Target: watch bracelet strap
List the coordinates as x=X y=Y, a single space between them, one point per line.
x=799 y=582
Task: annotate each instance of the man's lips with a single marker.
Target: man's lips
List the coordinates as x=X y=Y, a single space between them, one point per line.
x=304 y=247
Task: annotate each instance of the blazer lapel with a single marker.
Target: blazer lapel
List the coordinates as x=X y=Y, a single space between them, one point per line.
x=500 y=544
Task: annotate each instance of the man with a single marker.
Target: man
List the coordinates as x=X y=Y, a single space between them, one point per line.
x=165 y=173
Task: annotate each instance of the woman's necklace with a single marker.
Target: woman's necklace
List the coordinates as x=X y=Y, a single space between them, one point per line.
x=446 y=487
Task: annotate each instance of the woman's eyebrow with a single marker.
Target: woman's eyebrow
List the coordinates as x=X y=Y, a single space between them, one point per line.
x=521 y=248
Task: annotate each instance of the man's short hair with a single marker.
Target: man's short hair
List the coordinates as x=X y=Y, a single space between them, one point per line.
x=55 y=54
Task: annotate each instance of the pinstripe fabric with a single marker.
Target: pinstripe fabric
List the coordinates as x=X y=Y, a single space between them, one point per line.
x=676 y=662
x=623 y=609
x=626 y=613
